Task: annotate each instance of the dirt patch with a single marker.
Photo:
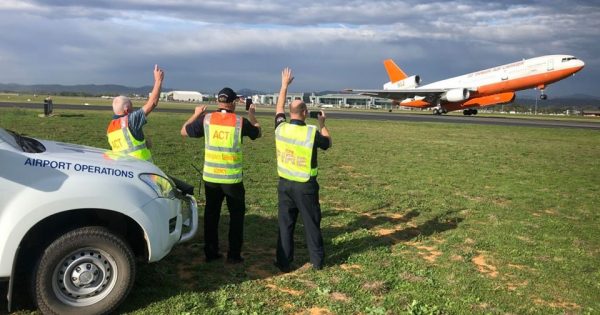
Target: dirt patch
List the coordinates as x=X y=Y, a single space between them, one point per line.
x=521 y=267
x=456 y=257
x=315 y=311
x=525 y=239
x=284 y=290
x=411 y=277
x=484 y=267
x=377 y=287
x=513 y=286
x=308 y=283
x=260 y=272
x=338 y=296
x=187 y=271
x=429 y=253
x=558 y=304
x=350 y=267
x=387 y=232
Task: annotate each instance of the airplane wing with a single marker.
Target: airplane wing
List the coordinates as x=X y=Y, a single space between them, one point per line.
x=401 y=94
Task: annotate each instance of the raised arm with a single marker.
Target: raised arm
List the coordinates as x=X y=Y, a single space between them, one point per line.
x=252 y=119
x=324 y=130
x=155 y=95
x=286 y=80
x=198 y=111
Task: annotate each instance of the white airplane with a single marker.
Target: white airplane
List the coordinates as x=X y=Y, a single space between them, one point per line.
x=477 y=89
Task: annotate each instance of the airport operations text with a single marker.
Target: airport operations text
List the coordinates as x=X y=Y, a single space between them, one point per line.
x=78 y=167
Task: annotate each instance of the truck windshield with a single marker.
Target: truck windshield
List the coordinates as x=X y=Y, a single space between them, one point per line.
x=23 y=143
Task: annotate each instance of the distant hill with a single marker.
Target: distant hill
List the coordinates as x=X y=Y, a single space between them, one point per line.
x=571 y=100
x=86 y=89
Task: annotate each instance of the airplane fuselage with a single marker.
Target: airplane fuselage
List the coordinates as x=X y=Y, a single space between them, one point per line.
x=530 y=73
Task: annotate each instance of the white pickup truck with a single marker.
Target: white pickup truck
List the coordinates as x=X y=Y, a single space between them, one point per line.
x=73 y=220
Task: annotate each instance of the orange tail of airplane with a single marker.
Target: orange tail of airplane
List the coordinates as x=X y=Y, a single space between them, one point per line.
x=394 y=72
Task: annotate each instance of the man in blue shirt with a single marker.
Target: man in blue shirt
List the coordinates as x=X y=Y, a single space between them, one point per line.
x=134 y=120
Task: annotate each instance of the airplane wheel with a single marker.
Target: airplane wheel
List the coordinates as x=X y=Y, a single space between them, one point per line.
x=543 y=97
x=436 y=111
x=474 y=112
x=467 y=112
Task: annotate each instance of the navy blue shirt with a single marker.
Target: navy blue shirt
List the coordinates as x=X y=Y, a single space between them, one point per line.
x=320 y=141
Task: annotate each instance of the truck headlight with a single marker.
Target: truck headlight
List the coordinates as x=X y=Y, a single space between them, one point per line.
x=162 y=186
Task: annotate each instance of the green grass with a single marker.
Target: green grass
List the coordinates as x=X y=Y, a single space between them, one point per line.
x=79 y=100
x=418 y=218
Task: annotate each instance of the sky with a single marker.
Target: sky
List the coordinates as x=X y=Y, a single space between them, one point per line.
x=205 y=45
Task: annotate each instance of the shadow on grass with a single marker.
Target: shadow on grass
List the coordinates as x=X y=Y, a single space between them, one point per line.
x=383 y=230
x=185 y=271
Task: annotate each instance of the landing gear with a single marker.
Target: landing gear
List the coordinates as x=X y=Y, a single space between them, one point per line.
x=543 y=95
x=439 y=111
x=469 y=112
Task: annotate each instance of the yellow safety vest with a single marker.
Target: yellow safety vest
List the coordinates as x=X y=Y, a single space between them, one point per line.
x=122 y=141
x=222 y=148
x=294 y=145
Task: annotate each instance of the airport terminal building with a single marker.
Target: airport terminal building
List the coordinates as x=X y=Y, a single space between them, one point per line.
x=340 y=100
x=335 y=100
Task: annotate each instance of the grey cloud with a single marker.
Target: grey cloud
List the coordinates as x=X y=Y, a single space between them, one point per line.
x=204 y=45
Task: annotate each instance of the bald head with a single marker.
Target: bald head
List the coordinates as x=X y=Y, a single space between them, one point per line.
x=298 y=110
x=121 y=105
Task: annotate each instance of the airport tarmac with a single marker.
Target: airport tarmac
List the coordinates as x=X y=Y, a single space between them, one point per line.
x=384 y=115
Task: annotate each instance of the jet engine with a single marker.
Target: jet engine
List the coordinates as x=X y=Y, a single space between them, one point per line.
x=455 y=95
x=410 y=82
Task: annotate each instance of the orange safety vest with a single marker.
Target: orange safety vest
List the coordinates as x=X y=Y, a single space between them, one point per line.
x=122 y=141
x=222 y=148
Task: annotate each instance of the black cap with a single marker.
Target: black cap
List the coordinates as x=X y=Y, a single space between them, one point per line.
x=226 y=95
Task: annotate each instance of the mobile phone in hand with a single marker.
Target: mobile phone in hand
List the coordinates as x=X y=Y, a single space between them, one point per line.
x=248 y=103
x=315 y=114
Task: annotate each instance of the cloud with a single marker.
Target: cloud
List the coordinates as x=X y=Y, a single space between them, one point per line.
x=204 y=45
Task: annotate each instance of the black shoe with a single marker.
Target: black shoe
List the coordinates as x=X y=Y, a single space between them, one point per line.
x=211 y=258
x=235 y=259
x=284 y=269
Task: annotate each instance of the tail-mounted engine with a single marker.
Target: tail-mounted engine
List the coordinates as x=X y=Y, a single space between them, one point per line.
x=410 y=82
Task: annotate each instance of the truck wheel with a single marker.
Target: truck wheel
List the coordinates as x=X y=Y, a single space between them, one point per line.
x=86 y=271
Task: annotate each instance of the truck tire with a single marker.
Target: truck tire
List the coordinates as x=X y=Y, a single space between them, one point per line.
x=89 y=270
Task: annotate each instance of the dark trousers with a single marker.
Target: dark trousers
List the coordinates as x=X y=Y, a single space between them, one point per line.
x=297 y=197
x=235 y=195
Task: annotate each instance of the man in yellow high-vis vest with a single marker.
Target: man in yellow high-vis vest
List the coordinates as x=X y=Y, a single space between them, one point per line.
x=124 y=132
x=223 y=131
x=298 y=191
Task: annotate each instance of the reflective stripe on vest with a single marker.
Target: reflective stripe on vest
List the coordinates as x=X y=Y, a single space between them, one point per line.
x=122 y=141
x=294 y=146
x=222 y=148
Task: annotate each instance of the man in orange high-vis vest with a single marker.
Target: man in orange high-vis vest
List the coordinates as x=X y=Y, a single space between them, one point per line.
x=124 y=132
x=223 y=131
x=296 y=144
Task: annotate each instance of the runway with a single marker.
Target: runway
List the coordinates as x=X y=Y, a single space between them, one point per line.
x=384 y=115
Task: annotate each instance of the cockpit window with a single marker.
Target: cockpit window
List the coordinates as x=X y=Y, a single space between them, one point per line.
x=568 y=59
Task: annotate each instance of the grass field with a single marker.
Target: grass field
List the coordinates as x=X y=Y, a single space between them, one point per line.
x=418 y=218
x=79 y=100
